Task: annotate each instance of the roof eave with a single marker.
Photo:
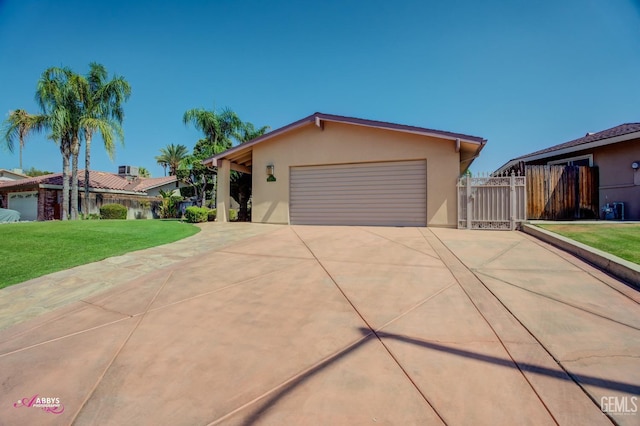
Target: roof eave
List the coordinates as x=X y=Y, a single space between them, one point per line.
x=571 y=149
x=401 y=128
x=470 y=160
x=213 y=161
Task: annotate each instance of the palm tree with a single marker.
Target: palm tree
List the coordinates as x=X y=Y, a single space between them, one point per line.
x=143 y=172
x=218 y=129
x=18 y=125
x=163 y=165
x=171 y=156
x=103 y=113
x=248 y=132
x=58 y=95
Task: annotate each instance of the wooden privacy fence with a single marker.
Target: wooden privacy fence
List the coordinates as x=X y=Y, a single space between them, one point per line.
x=491 y=202
x=544 y=192
x=562 y=192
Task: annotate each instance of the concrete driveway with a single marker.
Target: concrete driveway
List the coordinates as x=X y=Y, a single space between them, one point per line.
x=333 y=325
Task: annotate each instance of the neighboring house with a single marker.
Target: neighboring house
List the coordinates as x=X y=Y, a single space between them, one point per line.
x=616 y=153
x=39 y=198
x=334 y=170
x=6 y=175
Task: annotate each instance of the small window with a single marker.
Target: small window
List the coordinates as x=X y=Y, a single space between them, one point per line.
x=582 y=160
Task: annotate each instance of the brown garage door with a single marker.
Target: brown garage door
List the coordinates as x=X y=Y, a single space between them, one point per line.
x=388 y=194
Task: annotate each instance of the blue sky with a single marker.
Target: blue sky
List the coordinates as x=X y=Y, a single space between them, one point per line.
x=522 y=74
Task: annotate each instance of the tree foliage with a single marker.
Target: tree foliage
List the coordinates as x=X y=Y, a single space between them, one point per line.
x=220 y=130
x=33 y=172
x=171 y=156
x=103 y=113
x=58 y=95
x=144 y=172
x=74 y=107
x=17 y=127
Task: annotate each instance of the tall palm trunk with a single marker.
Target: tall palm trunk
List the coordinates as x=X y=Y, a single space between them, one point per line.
x=21 y=147
x=65 y=183
x=75 y=150
x=87 y=163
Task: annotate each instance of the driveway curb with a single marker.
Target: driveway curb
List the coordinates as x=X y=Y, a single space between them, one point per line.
x=620 y=268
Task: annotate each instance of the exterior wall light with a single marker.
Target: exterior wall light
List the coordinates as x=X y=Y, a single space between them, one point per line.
x=270 y=172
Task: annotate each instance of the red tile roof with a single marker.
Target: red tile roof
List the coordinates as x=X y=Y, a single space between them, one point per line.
x=145 y=184
x=97 y=180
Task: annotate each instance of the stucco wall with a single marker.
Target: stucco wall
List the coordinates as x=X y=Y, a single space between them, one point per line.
x=155 y=192
x=618 y=181
x=343 y=143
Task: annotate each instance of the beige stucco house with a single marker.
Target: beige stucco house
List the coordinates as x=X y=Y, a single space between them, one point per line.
x=334 y=170
x=616 y=154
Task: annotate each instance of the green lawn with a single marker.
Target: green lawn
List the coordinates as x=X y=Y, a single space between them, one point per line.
x=622 y=240
x=29 y=250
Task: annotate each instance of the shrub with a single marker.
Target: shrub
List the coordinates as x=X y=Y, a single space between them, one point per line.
x=90 y=216
x=195 y=214
x=213 y=213
x=113 y=211
x=169 y=206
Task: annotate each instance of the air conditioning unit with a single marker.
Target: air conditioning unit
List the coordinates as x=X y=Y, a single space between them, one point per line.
x=128 y=171
x=613 y=211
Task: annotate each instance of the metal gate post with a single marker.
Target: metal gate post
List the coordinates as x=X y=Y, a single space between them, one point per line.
x=512 y=196
x=469 y=203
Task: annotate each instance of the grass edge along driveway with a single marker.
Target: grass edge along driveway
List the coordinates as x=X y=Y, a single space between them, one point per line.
x=30 y=250
x=619 y=239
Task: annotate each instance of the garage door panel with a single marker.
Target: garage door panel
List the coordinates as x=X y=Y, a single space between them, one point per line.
x=358 y=221
x=399 y=181
x=373 y=174
x=355 y=191
x=418 y=207
x=389 y=193
x=359 y=200
x=365 y=173
x=26 y=203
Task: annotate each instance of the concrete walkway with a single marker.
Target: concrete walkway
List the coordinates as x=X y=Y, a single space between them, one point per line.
x=332 y=325
x=35 y=297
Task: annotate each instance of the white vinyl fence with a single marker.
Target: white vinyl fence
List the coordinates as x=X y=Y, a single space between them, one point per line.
x=492 y=202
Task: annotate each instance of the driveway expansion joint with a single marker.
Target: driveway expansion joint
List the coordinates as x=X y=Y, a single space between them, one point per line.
x=372 y=330
x=119 y=350
x=581 y=358
x=554 y=299
x=105 y=309
x=459 y=270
